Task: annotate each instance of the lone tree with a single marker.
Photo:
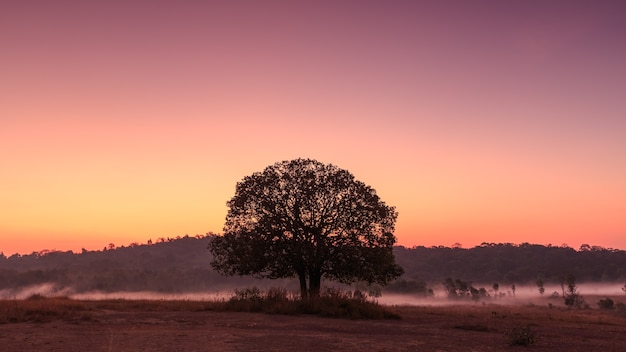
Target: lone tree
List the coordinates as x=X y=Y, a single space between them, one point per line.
x=307 y=219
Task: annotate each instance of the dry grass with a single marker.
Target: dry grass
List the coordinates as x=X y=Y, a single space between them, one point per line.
x=41 y=309
x=333 y=304
x=141 y=323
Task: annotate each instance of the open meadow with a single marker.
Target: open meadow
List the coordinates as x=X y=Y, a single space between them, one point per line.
x=62 y=324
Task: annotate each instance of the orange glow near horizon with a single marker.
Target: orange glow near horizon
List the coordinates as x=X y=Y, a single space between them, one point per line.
x=493 y=122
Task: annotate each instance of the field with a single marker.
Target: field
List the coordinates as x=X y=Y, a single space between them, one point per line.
x=61 y=324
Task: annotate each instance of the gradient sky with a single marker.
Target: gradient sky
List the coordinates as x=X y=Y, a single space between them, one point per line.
x=481 y=121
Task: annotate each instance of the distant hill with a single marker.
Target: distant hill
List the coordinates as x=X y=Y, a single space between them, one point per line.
x=182 y=265
x=174 y=266
x=508 y=263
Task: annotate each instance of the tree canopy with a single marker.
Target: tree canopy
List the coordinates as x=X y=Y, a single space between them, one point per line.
x=305 y=219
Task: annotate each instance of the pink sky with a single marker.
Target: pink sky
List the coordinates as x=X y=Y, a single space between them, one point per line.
x=481 y=121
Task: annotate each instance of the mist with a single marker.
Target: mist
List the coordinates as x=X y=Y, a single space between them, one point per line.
x=524 y=295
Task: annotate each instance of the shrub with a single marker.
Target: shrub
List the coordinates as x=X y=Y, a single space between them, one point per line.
x=331 y=303
x=521 y=336
x=575 y=300
x=606 y=303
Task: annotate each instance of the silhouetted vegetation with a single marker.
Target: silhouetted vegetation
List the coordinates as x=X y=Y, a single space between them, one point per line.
x=181 y=265
x=606 y=303
x=173 y=266
x=540 y=287
x=330 y=303
x=309 y=220
x=461 y=289
x=507 y=263
x=571 y=296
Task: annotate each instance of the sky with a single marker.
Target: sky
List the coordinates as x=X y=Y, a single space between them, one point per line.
x=480 y=121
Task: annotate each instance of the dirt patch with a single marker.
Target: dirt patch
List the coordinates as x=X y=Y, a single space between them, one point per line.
x=467 y=328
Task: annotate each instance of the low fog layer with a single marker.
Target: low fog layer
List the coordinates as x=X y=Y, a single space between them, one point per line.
x=180 y=269
x=523 y=295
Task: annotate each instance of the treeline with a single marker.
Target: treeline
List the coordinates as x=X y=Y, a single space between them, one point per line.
x=174 y=266
x=512 y=264
x=182 y=265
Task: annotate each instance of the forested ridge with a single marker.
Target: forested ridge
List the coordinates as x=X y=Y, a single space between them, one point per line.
x=182 y=265
x=509 y=263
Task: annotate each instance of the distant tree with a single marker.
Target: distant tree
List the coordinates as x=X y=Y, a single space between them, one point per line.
x=562 y=280
x=495 y=287
x=572 y=297
x=513 y=289
x=463 y=289
x=624 y=288
x=539 y=283
x=450 y=287
x=305 y=219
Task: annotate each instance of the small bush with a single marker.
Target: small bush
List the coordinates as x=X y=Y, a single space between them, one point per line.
x=574 y=300
x=606 y=303
x=521 y=336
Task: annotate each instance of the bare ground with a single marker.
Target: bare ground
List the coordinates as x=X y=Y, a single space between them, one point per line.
x=454 y=328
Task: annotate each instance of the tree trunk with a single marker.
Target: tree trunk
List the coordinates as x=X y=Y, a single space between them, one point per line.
x=314 y=285
x=303 y=290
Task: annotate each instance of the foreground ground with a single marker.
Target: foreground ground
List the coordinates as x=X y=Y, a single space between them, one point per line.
x=480 y=327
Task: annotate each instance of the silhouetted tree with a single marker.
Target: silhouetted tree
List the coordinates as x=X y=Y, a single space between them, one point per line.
x=572 y=297
x=305 y=219
x=540 y=287
x=463 y=289
x=450 y=287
